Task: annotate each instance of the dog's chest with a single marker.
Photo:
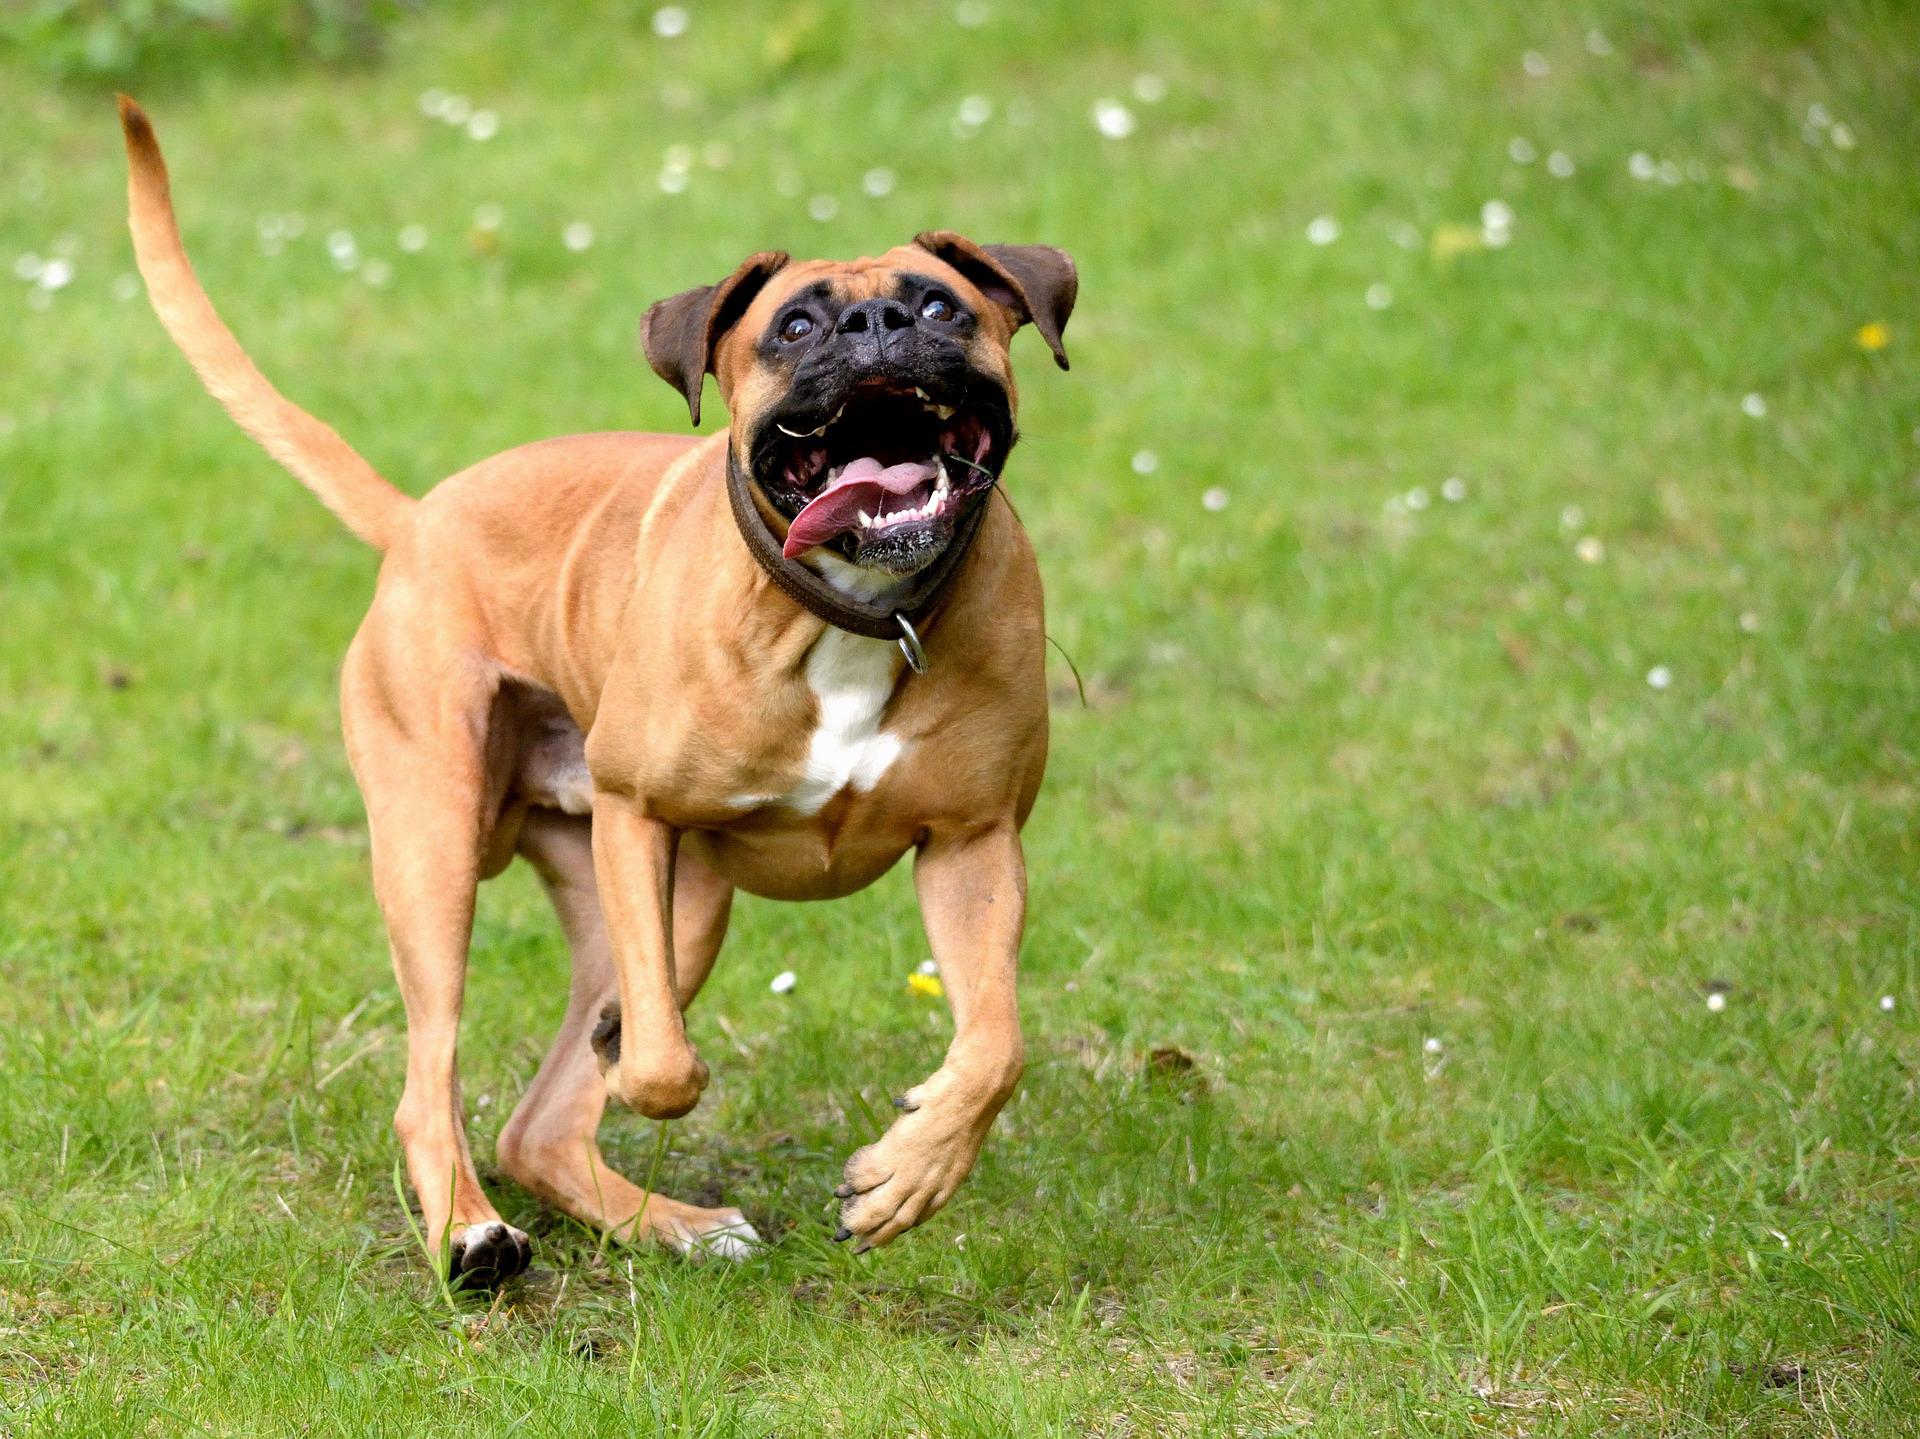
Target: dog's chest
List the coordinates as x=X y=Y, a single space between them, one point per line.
x=851 y=678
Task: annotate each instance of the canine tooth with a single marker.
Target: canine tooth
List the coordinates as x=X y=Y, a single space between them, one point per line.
x=945 y=412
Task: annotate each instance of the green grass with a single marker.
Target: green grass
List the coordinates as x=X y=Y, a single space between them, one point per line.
x=1357 y=775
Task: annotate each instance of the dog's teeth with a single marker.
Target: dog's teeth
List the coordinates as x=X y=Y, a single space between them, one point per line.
x=945 y=412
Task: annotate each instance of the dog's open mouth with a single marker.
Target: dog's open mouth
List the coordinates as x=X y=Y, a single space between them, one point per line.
x=890 y=470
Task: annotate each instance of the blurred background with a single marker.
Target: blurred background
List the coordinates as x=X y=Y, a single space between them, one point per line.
x=1473 y=951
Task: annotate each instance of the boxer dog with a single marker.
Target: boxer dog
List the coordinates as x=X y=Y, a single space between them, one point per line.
x=663 y=668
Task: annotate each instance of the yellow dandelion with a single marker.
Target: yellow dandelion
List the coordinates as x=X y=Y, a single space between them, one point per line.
x=927 y=984
x=1450 y=242
x=1873 y=336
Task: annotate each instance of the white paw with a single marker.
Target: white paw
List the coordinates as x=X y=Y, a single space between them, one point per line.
x=725 y=1234
x=483 y=1256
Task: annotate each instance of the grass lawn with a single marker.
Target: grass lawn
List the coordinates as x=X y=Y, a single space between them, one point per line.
x=1496 y=801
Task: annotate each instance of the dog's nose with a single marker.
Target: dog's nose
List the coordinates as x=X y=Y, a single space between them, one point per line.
x=875 y=317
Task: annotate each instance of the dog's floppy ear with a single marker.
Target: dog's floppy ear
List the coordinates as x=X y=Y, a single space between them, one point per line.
x=1034 y=283
x=681 y=332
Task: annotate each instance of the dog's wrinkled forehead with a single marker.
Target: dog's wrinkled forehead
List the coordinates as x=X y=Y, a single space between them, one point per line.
x=827 y=289
x=839 y=283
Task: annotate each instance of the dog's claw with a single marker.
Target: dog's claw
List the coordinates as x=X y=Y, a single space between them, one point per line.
x=842 y=1235
x=843 y=1191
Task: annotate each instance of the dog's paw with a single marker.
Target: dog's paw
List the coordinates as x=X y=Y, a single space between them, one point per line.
x=905 y=1177
x=484 y=1256
x=702 y=1234
x=660 y=1085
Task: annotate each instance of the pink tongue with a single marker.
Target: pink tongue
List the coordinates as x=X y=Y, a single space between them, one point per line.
x=862 y=485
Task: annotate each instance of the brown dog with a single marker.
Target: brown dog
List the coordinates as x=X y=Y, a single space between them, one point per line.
x=662 y=668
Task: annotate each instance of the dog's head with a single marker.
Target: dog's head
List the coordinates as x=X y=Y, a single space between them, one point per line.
x=872 y=401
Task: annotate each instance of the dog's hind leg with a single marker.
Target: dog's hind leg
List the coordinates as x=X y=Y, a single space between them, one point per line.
x=429 y=764
x=549 y=1145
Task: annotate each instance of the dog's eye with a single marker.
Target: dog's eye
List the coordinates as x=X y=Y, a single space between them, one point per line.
x=796 y=327
x=936 y=307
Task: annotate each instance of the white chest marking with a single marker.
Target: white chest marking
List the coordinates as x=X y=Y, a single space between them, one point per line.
x=851 y=678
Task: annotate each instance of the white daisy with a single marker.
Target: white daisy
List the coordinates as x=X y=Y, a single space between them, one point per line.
x=1113 y=119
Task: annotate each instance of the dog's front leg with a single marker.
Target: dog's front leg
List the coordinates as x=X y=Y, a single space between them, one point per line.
x=650 y=1063
x=973 y=896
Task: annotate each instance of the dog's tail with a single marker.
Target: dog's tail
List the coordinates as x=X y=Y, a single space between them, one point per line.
x=346 y=484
